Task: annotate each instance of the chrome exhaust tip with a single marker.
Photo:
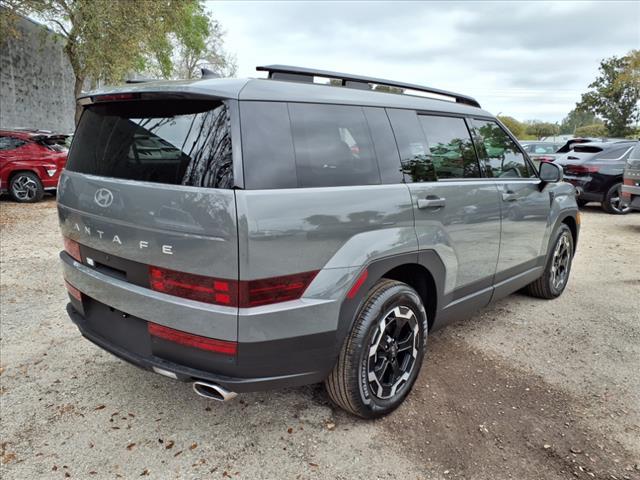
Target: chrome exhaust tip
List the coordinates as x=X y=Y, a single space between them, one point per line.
x=213 y=391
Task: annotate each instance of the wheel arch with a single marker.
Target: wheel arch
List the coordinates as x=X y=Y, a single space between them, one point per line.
x=423 y=271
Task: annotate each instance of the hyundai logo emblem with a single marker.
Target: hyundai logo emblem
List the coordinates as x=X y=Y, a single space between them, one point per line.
x=103 y=197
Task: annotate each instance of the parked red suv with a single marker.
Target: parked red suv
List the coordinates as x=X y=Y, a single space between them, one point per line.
x=30 y=162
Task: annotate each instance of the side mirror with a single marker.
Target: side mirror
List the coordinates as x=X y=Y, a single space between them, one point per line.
x=550 y=172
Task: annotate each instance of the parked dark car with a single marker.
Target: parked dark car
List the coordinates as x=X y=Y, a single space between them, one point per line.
x=596 y=169
x=30 y=162
x=631 y=180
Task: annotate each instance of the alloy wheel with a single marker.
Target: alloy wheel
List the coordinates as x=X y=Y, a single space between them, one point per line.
x=24 y=188
x=561 y=262
x=393 y=352
x=616 y=202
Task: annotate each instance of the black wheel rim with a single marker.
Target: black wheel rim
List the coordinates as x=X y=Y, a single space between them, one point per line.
x=560 y=262
x=393 y=352
x=616 y=202
x=24 y=188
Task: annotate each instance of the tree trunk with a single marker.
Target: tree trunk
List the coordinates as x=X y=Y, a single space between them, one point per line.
x=77 y=90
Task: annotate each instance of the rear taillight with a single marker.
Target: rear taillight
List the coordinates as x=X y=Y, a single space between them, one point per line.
x=545 y=159
x=582 y=169
x=194 y=287
x=230 y=293
x=72 y=248
x=189 y=340
x=73 y=291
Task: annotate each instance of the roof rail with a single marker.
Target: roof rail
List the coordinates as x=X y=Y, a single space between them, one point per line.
x=302 y=74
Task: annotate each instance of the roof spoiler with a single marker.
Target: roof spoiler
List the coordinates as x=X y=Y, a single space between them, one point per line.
x=305 y=75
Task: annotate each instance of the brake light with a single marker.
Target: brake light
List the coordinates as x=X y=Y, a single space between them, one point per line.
x=581 y=169
x=72 y=248
x=194 y=287
x=189 y=340
x=246 y=293
x=115 y=97
x=73 y=291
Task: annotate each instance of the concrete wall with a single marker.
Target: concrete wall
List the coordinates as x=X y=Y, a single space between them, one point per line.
x=36 y=81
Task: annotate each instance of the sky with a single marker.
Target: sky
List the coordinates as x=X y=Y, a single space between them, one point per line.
x=529 y=60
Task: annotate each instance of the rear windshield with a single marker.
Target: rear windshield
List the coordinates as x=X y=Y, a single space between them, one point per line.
x=181 y=143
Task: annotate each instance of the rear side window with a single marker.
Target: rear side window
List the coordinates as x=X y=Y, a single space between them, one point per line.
x=181 y=143
x=333 y=146
x=417 y=164
x=450 y=147
x=614 y=153
x=10 y=143
x=501 y=155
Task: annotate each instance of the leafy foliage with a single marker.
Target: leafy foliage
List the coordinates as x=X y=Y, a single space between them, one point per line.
x=514 y=126
x=108 y=39
x=594 y=130
x=576 y=119
x=541 y=129
x=615 y=94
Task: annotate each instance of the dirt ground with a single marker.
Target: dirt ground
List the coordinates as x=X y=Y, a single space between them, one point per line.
x=526 y=389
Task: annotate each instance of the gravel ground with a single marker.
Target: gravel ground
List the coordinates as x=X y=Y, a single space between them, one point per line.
x=526 y=389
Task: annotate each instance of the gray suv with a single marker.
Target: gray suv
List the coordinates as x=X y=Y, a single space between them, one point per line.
x=251 y=234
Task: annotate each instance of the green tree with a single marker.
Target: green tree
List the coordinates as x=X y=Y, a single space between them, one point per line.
x=578 y=118
x=541 y=129
x=514 y=126
x=615 y=94
x=107 y=39
x=594 y=130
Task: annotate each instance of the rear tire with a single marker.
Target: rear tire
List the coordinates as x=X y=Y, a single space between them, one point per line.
x=26 y=187
x=612 y=201
x=581 y=203
x=556 y=273
x=382 y=355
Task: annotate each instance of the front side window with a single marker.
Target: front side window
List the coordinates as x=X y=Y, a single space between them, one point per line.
x=450 y=147
x=332 y=145
x=502 y=157
x=181 y=143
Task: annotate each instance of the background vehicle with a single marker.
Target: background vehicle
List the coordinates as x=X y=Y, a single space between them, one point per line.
x=30 y=162
x=596 y=169
x=631 y=181
x=262 y=233
x=541 y=151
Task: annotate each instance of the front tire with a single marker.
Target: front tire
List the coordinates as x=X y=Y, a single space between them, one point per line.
x=612 y=202
x=26 y=187
x=381 y=357
x=556 y=273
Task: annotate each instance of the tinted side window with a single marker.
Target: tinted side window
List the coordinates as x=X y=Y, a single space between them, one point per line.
x=267 y=146
x=614 y=153
x=450 y=146
x=10 y=143
x=502 y=157
x=333 y=146
x=417 y=164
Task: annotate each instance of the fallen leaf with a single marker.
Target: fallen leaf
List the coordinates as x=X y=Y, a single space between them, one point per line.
x=8 y=457
x=289 y=430
x=130 y=446
x=169 y=444
x=193 y=446
x=99 y=407
x=177 y=453
x=313 y=464
x=145 y=472
x=93 y=472
x=331 y=426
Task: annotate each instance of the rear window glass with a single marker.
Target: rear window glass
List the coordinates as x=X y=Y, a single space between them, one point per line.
x=417 y=164
x=332 y=145
x=614 y=153
x=586 y=149
x=181 y=143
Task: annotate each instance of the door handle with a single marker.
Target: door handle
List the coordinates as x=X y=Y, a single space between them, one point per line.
x=431 y=202
x=509 y=197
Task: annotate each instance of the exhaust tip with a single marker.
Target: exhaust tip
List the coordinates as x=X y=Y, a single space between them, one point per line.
x=213 y=391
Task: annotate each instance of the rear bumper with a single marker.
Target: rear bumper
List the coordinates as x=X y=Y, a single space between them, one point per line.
x=144 y=354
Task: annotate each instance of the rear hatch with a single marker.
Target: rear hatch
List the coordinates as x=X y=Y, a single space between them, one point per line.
x=147 y=191
x=572 y=161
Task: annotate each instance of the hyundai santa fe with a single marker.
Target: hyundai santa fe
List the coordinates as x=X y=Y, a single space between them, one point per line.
x=260 y=233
